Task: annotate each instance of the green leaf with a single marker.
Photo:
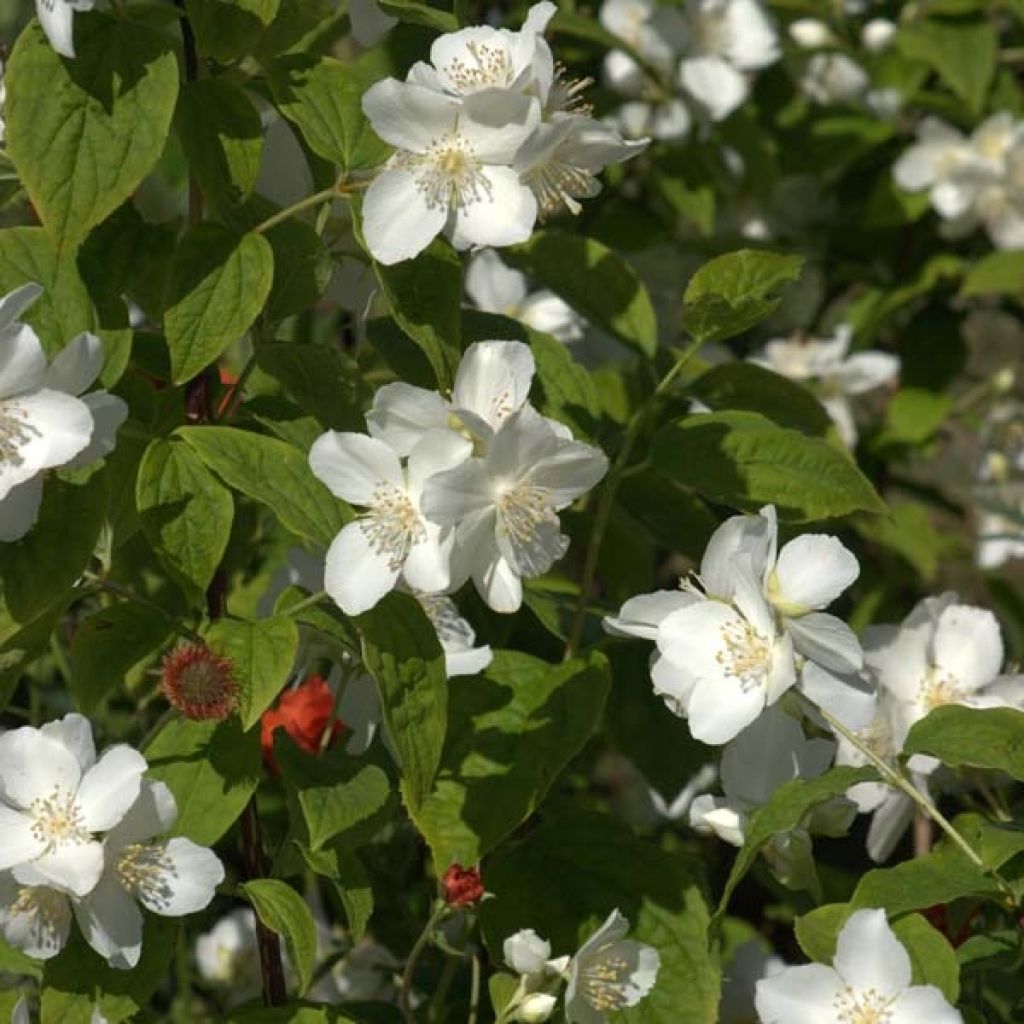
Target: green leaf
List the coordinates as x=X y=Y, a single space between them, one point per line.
x=425 y=296
x=309 y=1013
x=112 y=647
x=963 y=56
x=571 y=872
x=219 y=283
x=302 y=269
x=975 y=737
x=997 y=273
x=333 y=793
x=402 y=652
x=511 y=731
x=745 y=386
x=784 y=812
x=83 y=133
x=262 y=654
x=221 y=133
x=45 y=564
x=592 y=279
x=284 y=911
x=320 y=379
x=273 y=473
x=211 y=768
x=78 y=980
x=323 y=97
x=913 y=415
x=226 y=29
x=186 y=513
x=745 y=460
x=732 y=293
x=421 y=14
x=932 y=959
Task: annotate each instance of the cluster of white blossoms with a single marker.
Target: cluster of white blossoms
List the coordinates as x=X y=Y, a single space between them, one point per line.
x=46 y=418
x=749 y=627
x=698 y=61
x=999 y=488
x=609 y=973
x=452 y=490
x=80 y=837
x=489 y=136
x=825 y=365
x=972 y=181
x=870 y=982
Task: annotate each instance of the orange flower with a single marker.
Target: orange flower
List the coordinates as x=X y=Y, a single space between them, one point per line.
x=306 y=713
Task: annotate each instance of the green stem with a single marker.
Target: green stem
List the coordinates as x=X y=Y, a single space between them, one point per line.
x=440 y=911
x=337 y=191
x=902 y=783
x=301 y=606
x=474 y=990
x=616 y=475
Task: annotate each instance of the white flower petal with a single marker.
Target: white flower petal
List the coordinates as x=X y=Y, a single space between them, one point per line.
x=798 y=995
x=716 y=83
x=76 y=366
x=22 y=360
x=827 y=640
x=108 y=415
x=573 y=469
x=493 y=287
x=356 y=575
x=868 y=955
x=720 y=709
x=427 y=567
x=63 y=424
x=437 y=452
x=73 y=867
x=369 y=23
x=18 y=843
x=73 y=731
x=57 y=20
x=398 y=221
x=751 y=535
x=865 y=371
x=32 y=766
x=355 y=466
x=889 y=824
x=503 y=213
x=401 y=414
x=968 y=645
x=923 y=1003
x=641 y=616
x=499 y=585
x=493 y=380
x=811 y=572
x=152 y=814
x=41 y=925
x=846 y=696
x=449 y=497
x=111 y=922
x=186 y=880
x=20 y=509
x=408 y=116
x=13 y=304
x=110 y=787
x=672 y=683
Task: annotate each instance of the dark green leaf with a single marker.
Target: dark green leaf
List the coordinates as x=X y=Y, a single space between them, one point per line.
x=284 y=911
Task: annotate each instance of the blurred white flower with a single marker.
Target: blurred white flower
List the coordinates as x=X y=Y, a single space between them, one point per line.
x=835 y=375
x=869 y=981
x=227 y=955
x=57 y=20
x=366 y=973
x=831 y=78
x=810 y=33
x=496 y=288
x=505 y=505
x=537 y=1007
x=878 y=34
x=609 y=973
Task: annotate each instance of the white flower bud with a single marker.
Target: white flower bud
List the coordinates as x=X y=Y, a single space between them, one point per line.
x=809 y=33
x=878 y=34
x=537 y=1007
x=526 y=952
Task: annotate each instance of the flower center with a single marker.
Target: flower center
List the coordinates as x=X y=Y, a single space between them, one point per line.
x=487 y=66
x=557 y=183
x=57 y=819
x=392 y=526
x=43 y=910
x=938 y=689
x=604 y=983
x=146 y=870
x=745 y=654
x=522 y=509
x=15 y=433
x=867 y=1007
x=448 y=174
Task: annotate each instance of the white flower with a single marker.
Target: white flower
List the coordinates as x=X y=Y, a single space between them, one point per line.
x=561 y=160
x=496 y=288
x=666 y=120
x=452 y=170
x=227 y=955
x=771 y=751
x=492 y=382
x=526 y=952
x=171 y=877
x=391 y=539
x=55 y=797
x=537 y=1007
x=834 y=78
x=932 y=162
x=456 y=635
x=878 y=34
x=57 y=17
x=43 y=422
x=869 y=982
x=837 y=376
x=810 y=33
x=609 y=973
x=505 y=505
x=482 y=58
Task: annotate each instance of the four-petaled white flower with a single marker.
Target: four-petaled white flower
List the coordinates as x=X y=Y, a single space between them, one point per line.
x=825 y=364
x=55 y=797
x=391 y=539
x=505 y=505
x=869 y=982
x=496 y=288
x=609 y=973
x=57 y=20
x=452 y=171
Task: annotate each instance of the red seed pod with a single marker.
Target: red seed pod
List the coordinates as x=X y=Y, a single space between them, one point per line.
x=462 y=886
x=198 y=683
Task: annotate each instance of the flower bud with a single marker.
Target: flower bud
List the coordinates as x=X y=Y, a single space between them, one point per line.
x=462 y=886
x=809 y=33
x=198 y=683
x=537 y=1007
x=878 y=34
x=526 y=952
